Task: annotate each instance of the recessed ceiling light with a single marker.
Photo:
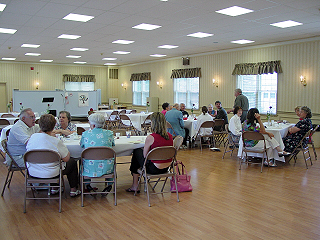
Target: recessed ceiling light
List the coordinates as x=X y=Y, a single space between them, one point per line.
x=30 y=45
x=146 y=26
x=8 y=59
x=78 y=17
x=110 y=64
x=7 y=30
x=163 y=0
x=68 y=36
x=168 y=46
x=242 y=41
x=121 y=52
x=2 y=6
x=79 y=49
x=200 y=35
x=158 y=55
x=33 y=54
x=234 y=11
x=109 y=59
x=80 y=62
x=123 y=41
x=44 y=60
x=73 y=56
x=286 y=24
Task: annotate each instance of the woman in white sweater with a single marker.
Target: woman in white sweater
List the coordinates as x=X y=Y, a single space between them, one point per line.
x=235 y=126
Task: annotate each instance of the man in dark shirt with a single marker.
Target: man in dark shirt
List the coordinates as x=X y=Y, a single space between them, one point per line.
x=241 y=101
x=182 y=109
x=221 y=113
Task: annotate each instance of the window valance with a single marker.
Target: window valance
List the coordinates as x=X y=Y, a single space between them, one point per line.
x=78 y=78
x=257 y=68
x=186 y=73
x=140 y=76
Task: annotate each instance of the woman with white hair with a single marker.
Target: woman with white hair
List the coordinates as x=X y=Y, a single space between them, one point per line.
x=97 y=137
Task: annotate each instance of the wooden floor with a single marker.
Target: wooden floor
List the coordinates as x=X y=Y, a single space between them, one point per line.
x=280 y=203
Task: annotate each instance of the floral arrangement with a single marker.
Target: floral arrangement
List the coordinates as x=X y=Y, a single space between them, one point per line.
x=193 y=107
x=269 y=113
x=48 y=108
x=148 y=105
x=21 y=106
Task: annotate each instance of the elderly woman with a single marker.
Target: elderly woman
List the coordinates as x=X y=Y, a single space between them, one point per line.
x=64 y=126
x=211 y=111
x=250 y=124
x=44 y=140
x=165 y=107
x=97 y=137
x=159 y=138
x=201 y=119
x=235 y=126
x=297 y=132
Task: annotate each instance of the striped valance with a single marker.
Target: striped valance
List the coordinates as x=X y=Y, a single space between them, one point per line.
x=186 y=73
x=78 y=78
x=257 y=68
x=140 y=76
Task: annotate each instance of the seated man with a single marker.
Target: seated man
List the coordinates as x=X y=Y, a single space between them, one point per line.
x=221 y=114
x=19 y=136
x=64 y=126
x=183 y=109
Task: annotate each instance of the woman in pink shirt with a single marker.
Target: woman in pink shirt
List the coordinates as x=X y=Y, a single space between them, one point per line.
x=165 y=107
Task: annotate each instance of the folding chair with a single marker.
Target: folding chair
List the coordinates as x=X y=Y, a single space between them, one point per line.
x=206 y=124
x=146 y=125
x=302 y=146
x=229 y=143
x=170 y=127
x=177 y=142
x=80 y=130
x=158 y=154
x=37 y=121
x=126 y=123
x=255 y=136
x=113 y=120
x=310 y=141
x=133 y=111
x=3 y=123
x=13 y=167
x=95 y=154
x=123 y=111
x=7 y=115
x=42 y=156
x=7 y=134
x=218 y=132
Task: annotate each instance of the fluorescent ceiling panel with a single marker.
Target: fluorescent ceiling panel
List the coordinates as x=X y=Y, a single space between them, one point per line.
x=7 y=30
x=109 y=59
x=158 y=55
x=110 y=64
x=68 y=36
x=242 y=41
x=200 y=35
x=8 y=59
x=168 y=46
x=234 y=11
x=78 y=17
x=286 y=24
x=33 y=54
x=121 y=52
x=73 y=56
x=26 y=45
x=80 y=62
x=79 y=49
x=146 y=26
x=2 y=6
x=44 y=60
x=123 y=41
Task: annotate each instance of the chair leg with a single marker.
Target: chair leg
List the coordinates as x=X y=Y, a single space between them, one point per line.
x=9 y=181
x=146 y=185
x=314 y=151
x=82 y=188
x=5 y=183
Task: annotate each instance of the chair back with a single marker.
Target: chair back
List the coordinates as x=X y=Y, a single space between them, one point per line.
x=18 y=120
x=115 y=112
x=4 y=144
x=133 y=111
x=7 y=133
x=7 y=115
x=177 y=142
x=123 y=111
x=98 y=153
x=169 y=126
x=125 y=118
x=161 y=153
x=219 y=123
x=4 y=122
x=251 y=135
x=80 y=130
x=40 y=156
x=207 y=124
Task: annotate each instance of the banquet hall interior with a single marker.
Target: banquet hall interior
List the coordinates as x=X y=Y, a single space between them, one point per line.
x=43 y=49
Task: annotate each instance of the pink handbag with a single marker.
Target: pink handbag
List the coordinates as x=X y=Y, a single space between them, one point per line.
x=183 y=179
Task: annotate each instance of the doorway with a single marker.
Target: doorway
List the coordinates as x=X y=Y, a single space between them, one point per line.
x=3 y=99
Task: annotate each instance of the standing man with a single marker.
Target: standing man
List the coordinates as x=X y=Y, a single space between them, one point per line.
x=241 y=101
x=183 y=109
x=19 y=136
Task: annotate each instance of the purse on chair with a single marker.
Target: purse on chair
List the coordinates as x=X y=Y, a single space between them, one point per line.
x=183 y=179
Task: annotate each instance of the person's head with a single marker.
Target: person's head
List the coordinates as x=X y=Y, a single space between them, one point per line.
x=218 y=104
x=159 y=124
x=182 y=106
x=176 y=106
x=47 y=123
x=250 y=116
x=96 y=119
x=204 y=110
x=297 y=110
x=64 y=118
x=237 y=92
x=237 y=110
x=210 y=107
x=28 y=117
x=165 y=106
x=305 y=112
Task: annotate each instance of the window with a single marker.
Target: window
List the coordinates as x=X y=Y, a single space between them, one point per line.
x=140 y=92
x=79 y=86
x=261 y=90
x=186 y=90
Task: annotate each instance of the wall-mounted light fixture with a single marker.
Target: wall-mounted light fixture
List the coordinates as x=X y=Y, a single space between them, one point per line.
x=215 y=82
x=303 y=80
x=159 y=84
x=124 y=86
x=37 y=85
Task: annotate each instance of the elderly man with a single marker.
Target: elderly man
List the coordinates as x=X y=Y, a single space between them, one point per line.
x=241 y=101
x=183 y=109
x=19 y=136
x=64 y=126
x=221 y=113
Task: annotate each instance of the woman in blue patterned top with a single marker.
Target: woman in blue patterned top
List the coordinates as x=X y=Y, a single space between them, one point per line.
x=97 y=137
x=250 y=124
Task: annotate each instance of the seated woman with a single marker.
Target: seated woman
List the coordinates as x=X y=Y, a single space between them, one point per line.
x=159 y=138
x=201 y=119
x=250 y=124
x=165 y=107
x=64 y=126
x=297 y=132
x=44 y=140
x=211 y=111
x=97 y=137
x=235 y=126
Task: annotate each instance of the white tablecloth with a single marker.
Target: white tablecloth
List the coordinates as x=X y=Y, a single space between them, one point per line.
x=138 y=118
x=279 y=131
x=108 y=112
x=191 y=125
x=123 y=146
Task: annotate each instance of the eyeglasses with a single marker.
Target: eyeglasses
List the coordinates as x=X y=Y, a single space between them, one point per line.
x=31 y=117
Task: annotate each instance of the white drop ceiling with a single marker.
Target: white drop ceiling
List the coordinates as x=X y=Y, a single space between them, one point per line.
x=40 y=22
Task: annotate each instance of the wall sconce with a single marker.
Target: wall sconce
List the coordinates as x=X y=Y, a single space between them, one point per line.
x=37 y=85
x=303 y=80
x=215 y=82
x=159 y=84
x=124 y=86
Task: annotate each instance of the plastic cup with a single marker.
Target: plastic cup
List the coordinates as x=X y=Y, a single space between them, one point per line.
x=128 y=133
x=118 y=135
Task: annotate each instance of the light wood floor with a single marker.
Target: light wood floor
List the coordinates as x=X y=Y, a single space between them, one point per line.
x=280 y=203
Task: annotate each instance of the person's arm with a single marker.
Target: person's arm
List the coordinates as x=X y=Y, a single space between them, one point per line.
x=231 y=110
x=64 y=152
x=149 y=141
x=66 y=158
x=262 y=128
x=62 y=131
x=294 y=129
x=181 y=122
